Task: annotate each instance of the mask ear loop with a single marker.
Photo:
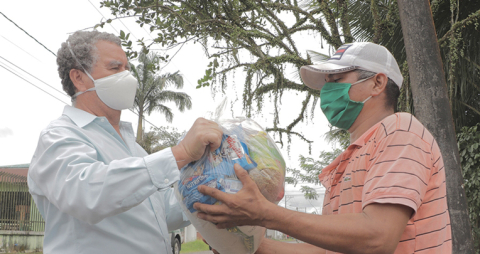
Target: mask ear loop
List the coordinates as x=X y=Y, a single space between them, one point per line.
x=86 y=72
x=76 y=59
x=365 y=79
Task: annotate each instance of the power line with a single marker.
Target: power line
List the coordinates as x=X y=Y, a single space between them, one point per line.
x=33 y=84
x=50 y=86
x=21 y=48
x=149 y=35
x=34 y=76
x=119 y=19
x=27 y=33
x=126 y=27
x=12 y=69
x=53 y=88
x=55 y=56
x=144 y=118
x=103 y=16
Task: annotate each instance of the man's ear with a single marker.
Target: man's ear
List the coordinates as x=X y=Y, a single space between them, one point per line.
x=79 y=80
x=380 y=81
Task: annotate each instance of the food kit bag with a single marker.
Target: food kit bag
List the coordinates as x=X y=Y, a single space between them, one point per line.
x=246 y=143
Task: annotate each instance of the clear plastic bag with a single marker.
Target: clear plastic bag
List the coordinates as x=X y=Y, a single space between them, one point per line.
x=246 y=143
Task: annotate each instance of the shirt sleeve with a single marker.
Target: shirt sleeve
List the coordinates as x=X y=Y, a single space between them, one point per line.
x=175 y=216
x=398 y=171
x=66 y=170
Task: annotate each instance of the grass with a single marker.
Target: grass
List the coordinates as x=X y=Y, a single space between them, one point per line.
x=194 y=246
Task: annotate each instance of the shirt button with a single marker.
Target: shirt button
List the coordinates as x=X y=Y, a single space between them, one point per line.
x=165 y=181
x=103 y=120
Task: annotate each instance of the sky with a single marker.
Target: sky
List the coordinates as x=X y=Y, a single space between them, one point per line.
x=32 y=95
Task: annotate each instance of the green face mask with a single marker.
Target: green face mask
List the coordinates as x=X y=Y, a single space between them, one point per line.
x=337 y=106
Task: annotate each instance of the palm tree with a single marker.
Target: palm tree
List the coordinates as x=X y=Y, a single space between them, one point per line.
x=152 y=93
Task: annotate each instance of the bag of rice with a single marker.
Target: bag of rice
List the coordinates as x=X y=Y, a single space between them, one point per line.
x=246 y=143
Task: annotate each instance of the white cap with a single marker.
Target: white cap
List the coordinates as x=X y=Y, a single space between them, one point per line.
x=358 y=55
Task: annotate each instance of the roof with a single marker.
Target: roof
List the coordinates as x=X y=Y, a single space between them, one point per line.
x=19 y=169
x=17 y=166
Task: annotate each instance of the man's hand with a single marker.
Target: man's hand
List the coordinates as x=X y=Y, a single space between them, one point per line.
x=202 y=134
x=246 y=207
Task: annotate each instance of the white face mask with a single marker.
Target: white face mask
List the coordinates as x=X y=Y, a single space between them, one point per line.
x=117 y=90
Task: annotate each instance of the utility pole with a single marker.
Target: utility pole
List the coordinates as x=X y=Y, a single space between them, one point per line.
x=432 y=107
x=287 y=197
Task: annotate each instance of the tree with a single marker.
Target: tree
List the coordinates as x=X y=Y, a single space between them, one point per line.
x=456 y=25
x=469 y=146
x=152 y=93
x=267 y=31
x=228 y=30
x=160 y=138
x=310 y=168
x=426 y=75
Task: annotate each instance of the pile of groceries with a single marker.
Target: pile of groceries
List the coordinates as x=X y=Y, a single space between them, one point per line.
x=246 y=143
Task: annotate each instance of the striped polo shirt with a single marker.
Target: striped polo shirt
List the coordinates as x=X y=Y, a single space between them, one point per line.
x=397 y=161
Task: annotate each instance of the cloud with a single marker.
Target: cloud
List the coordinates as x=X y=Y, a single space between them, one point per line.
x=5 y=132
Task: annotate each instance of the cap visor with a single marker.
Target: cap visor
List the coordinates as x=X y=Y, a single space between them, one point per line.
x=314 y=75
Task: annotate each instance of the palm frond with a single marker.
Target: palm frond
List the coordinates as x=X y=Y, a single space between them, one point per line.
x=181 y=100
x=166 y=111
x=151 y=93
x=317 y=56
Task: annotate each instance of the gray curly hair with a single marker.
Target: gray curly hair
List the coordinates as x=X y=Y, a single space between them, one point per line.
x=83 y=46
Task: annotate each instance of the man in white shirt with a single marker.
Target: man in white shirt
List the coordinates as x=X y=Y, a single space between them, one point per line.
x=97 y=189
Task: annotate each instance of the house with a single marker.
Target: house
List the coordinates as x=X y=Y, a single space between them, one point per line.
x=21 y=224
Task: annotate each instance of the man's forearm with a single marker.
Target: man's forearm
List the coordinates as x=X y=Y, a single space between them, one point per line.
x=269 y=246
x=320 y=230
x=346 y=233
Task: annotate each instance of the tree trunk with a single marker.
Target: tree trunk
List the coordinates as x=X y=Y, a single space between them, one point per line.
x=140 y=125
x=433 y=109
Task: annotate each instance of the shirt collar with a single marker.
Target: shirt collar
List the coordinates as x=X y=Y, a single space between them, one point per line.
x=78 y=116
x=358 y=143
x=362 y=140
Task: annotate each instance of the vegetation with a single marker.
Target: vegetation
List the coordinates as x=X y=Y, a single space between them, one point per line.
x=469 y=146
x=194 y=246
x=260 y=39
x=152 y=92
x=160 y=138
x=310 y=168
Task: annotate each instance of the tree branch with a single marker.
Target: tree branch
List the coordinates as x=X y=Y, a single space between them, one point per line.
x=462 y=23
x=281 y=130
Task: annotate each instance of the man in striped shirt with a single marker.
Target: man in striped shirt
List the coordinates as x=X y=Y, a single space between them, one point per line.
x=385 y=194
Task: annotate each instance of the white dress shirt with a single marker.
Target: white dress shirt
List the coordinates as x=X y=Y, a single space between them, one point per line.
x=99 y=193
